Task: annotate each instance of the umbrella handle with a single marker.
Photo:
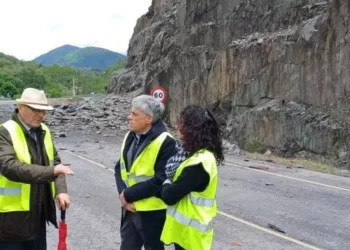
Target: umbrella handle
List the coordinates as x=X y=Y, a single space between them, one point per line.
x=63 y=214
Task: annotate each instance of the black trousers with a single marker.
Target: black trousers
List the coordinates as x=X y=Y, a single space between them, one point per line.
x=142 y=229
x=37 y=244
x=177 y=247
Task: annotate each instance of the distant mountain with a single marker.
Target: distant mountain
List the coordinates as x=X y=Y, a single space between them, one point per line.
x=83 y=58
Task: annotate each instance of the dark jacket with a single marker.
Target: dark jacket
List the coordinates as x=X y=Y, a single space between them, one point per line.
x=152 y=186
x=21 y=226
x=192 y=179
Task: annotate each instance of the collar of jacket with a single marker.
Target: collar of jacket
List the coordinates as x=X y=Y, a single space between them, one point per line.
x=157 y=128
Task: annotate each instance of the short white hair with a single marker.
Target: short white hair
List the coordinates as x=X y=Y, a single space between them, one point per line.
x=149 y=105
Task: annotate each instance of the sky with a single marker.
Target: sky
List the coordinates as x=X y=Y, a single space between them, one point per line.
x=30 y=28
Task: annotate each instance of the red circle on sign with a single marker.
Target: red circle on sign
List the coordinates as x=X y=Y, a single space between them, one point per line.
x=160 y=94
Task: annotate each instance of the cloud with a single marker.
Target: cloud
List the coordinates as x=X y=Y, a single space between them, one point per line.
x=31 y=28
x=55 y=27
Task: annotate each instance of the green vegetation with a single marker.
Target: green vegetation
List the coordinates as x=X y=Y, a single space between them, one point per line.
x=298 y=163
x=57 y=81
x=254 y=145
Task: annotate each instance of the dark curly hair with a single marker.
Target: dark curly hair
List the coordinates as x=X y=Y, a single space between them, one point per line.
x=200 y=130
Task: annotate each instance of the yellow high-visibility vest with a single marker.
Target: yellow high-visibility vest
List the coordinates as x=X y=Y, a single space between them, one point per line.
x=189 y=223
x=142 y=169
x=15 y=196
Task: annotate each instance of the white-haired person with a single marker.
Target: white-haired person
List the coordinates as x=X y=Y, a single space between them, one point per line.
x=140 y=173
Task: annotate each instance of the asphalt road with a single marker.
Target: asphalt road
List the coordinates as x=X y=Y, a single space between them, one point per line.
x=311 y=208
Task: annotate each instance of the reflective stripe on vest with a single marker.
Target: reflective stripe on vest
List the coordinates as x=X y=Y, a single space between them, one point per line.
x=183 y=219
x=142 y=170
x=15 y=196
x=204 y=202
x=189 y=223
x=10 y=191
x=139 y=178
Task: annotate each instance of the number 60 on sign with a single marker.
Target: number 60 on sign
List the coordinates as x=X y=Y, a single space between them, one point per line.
x=159 y=93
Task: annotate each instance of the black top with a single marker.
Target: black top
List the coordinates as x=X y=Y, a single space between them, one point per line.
x=192 y=179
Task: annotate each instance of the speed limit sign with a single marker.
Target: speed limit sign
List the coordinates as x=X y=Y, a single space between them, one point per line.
x=159 y=93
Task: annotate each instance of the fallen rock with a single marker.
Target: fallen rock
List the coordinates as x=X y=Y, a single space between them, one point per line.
x=273 y=227
x=259 y=167
x=99 y=115
x=232 y=149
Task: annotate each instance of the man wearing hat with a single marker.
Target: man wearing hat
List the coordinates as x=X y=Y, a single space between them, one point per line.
x=31 y=175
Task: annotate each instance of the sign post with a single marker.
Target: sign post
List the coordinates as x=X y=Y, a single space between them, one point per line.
x=160 y=94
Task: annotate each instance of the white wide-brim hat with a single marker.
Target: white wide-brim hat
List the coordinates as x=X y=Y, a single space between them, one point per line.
x=35 y=99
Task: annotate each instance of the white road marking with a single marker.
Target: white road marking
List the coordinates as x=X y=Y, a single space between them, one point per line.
x=279 y=235
x=91 y=161
x=298 y=242
x=289 y=177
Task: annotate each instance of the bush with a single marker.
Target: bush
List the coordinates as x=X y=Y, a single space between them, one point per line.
x=254 y=145
x=8 y=88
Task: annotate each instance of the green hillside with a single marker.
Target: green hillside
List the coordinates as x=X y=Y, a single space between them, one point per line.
x=15 y=75
x=82 y=58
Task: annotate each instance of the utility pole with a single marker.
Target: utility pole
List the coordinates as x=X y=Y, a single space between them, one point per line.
x=73 y=87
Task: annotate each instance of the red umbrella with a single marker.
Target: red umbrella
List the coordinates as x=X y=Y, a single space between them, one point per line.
x=62 y=245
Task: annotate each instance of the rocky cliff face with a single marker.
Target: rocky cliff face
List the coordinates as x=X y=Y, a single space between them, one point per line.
x=277 y=69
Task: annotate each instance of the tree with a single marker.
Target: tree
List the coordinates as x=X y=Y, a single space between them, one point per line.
x=54 y=90
x=32 y=79
x=8 y=88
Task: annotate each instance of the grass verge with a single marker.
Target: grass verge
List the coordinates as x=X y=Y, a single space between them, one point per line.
x=298 y=163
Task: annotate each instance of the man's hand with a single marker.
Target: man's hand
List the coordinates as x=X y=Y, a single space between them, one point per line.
x=63 y=201
x=122 y=199
x=63 y=169
x=127 y=206
x=130 y=207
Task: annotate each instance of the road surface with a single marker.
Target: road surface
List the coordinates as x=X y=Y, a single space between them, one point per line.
x=311 y=208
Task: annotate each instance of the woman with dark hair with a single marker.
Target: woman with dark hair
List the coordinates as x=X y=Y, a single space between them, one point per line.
x=190 y=188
